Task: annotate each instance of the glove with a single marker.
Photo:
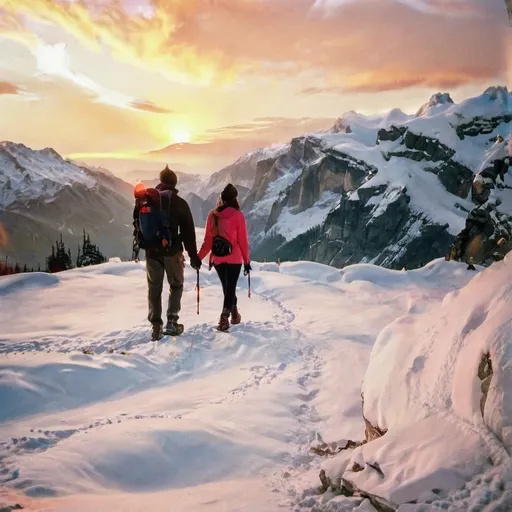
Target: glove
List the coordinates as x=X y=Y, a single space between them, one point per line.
x=195 y=262
x=247 y=268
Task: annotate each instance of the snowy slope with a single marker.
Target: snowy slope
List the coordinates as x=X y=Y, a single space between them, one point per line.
x=218 y=422
x=409 y=172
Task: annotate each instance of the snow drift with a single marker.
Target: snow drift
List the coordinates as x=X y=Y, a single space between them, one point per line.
x=437 y=397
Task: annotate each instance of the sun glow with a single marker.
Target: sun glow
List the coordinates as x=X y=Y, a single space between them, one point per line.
x=181 y=135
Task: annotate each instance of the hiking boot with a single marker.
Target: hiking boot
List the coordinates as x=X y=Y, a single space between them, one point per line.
x=174 y=329
x=236 y=317
x=224 y=320
x=156 y=332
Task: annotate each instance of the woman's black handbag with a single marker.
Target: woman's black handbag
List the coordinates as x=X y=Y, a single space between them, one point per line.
x=220 y=246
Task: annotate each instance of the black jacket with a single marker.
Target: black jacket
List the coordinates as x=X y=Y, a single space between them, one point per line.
x=181 y=222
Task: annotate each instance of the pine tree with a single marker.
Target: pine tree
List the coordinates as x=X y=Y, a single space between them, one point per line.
x=5 y=268
x=25 y=268
x=60 y=259
x=17 y=268
x=89 y=253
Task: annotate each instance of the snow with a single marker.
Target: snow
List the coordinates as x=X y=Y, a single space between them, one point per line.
x=291 y=225
x=225 y=421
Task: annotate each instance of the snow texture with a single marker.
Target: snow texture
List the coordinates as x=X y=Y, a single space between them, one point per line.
x=225 y=421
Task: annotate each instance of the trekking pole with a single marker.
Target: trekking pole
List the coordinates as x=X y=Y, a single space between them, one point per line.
x=197 y=288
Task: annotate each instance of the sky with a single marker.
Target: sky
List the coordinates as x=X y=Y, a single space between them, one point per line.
x=132 y=84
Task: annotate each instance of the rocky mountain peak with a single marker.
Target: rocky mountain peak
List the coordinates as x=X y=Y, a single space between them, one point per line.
x=499 y=92
x=440 y=98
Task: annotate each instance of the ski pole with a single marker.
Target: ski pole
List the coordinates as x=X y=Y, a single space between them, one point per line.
x=249 y=282
x=197 y=287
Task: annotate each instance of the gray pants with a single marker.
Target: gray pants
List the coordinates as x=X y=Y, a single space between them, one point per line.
x=174 y=268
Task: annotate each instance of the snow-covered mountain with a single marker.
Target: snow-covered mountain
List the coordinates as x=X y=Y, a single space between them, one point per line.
x=43 y=196
x=391 y=189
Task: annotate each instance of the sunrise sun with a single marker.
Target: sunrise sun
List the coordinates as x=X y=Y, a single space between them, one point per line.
x=181 y=135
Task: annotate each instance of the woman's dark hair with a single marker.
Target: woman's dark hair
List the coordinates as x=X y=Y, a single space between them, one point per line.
x=228 y=198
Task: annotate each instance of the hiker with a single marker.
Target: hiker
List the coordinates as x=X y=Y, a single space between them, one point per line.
x=164 y=254
x=226 y=240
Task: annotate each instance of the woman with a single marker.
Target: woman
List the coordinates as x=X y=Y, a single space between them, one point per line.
x=226 y=239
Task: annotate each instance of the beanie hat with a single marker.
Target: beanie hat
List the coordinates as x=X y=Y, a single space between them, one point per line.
x=168 y=177
x=229 y=193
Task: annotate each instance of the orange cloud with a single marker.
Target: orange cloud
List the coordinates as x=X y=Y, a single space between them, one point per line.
x=212 y=41
x=393 y=80
x=148 y=106
x=134 y=37
x=8 y=88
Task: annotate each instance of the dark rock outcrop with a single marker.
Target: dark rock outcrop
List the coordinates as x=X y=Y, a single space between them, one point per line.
x=423 y=148
x=394 y=237
x=371 y=432
x=455 y=177
x=481 y=125
x=485 y=374
x=392 y=134
x=344 y=487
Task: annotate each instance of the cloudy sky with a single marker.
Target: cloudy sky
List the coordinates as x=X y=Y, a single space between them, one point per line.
x=112 y=82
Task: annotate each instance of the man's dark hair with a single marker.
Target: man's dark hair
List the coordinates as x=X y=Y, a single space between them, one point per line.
x=168 y=177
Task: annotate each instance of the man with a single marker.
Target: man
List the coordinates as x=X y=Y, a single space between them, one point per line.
x=169 y=260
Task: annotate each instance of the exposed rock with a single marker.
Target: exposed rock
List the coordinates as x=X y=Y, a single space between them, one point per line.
x=9 y=508
x=481 y=125
x=371 y=432
x=346 y=488
x=376 y=467
x=435 y=100
x=325 y=481
x=455 y=177
x=423 y=148
x=392 y=134
x=325 y=450
x=356 y=468
x=485 y=374
x=486 y=237
x=393 y=237
x=341 y=126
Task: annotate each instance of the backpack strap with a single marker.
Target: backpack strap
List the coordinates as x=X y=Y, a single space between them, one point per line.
x=165 y=213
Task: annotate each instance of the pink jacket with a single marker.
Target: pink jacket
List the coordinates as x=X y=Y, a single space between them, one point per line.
x=232 y=226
